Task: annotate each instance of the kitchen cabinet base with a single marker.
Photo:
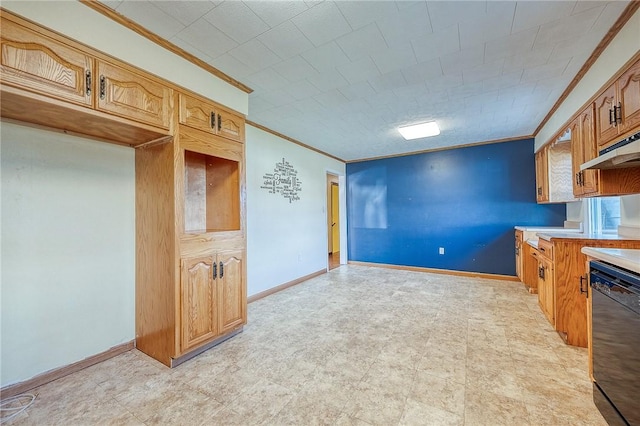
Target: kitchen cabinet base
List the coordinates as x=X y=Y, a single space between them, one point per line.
x=194 y=353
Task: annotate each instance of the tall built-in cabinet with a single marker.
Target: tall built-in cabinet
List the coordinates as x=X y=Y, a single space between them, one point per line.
x=190 y=179
x=199 y=244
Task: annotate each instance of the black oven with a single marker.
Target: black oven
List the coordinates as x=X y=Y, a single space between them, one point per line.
x=616 y=342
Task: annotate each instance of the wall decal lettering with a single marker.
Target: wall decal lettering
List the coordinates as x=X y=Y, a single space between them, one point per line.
x=284 y=181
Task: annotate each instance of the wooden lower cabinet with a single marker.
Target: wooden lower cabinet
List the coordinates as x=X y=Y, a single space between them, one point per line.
x=519 y=253
x=546 y=289
x=562 y=293
x=212 y=292
x=199 y=304
x=232 y=306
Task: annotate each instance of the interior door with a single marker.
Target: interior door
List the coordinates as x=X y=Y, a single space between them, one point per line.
x=335 y=218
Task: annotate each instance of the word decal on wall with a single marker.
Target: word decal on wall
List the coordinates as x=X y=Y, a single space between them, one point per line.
x=284 y=181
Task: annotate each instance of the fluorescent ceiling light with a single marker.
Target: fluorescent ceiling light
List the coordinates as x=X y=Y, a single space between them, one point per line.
x=422 y=130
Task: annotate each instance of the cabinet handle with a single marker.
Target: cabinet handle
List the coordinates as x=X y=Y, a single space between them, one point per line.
x=103 y=84
x=580 y=179
x=219 y=122
x=88 y=82
x=541 y=272
x=539 y=190
x=611 y=116
x=617 y=114
x=221 y=269
x=215 y=270
x=213 y=120
x=582 y=279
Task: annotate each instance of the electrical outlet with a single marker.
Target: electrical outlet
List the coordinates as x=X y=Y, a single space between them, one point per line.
x=441 y=250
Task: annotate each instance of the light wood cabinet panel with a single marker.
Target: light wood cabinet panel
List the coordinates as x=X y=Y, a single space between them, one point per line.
x=232 y=290
x=583 y=149
x=230 y=126
x=589 y=178
x=197 y=114
x=210 y=118
x=605 y=129
x=542 y=167
x=199 y=301
x=519 y=259
x=546 y=288
x=618 y=108
x=132 y=96
x=37 y=63
x=629 y=98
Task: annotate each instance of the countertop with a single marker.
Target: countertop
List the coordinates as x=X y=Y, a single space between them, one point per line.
x=624 y=258
x=546 y=229
x=584 y=236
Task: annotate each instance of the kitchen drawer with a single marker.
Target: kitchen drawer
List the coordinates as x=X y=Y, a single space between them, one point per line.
x=545 y=248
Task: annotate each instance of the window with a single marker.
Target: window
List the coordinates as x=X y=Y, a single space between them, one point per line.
x=604 y=214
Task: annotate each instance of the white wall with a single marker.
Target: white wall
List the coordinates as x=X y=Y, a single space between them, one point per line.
x=68 y=249
x=286 y=241
x=82 y=23
x=620 y=50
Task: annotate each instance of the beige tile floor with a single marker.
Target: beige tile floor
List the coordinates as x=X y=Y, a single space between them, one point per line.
x=356 y=346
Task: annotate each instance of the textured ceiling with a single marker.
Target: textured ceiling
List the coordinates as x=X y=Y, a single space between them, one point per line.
x=342 y=75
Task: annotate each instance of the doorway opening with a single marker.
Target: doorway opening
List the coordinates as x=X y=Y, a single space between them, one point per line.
x=333 y=220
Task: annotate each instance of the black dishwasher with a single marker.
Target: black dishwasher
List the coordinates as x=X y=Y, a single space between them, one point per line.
x=616 y=342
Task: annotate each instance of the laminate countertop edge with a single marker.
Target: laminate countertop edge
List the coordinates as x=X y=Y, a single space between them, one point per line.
x=624 y=258
x=584 y=236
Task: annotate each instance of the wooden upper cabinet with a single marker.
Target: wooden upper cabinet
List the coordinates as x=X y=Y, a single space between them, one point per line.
x=618 y=108
x=230 y=126
x=197 y=114
x=210 y=118
x=542 y=172
x=129 y=95
x=40 y=64
x=629 y=98
x=606 y=131
x=588 y=178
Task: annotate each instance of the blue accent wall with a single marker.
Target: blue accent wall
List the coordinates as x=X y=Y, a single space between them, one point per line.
x=467 y=200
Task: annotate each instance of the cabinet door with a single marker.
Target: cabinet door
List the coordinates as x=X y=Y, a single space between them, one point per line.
x=197 y=114
x=542 y=186
x=629 y=98
x=199 y=301
x=230 y=126
x=131 y=96
x=576 y=156
x=546 y=294
x=34 y=62
x=232 y=290
x=605 y=130
x=519 y=237
x=589 y=178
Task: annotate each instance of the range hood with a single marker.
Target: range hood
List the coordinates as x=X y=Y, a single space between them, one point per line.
x=624 y=154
